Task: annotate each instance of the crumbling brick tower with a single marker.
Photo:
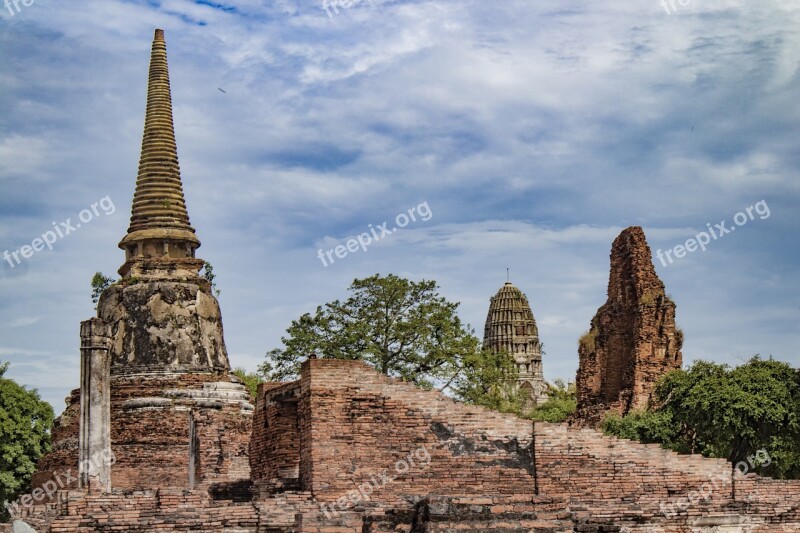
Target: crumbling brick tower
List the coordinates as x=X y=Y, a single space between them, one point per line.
x=633 y=340
x=511 y=327
x=178 y=417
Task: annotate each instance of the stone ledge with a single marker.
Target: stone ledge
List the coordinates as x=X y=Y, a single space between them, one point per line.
x=147 y=403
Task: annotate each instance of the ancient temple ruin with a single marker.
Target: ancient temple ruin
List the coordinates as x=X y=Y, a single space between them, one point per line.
x=633 y=340
x=168 y=367
x=344 y=448
x=511 y=328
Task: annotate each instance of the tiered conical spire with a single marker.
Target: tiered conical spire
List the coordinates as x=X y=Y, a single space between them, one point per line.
x=160 y=228
x=511 y=327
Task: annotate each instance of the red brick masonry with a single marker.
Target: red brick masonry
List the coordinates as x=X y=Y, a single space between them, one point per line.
x=318 y=440
x=632 y=341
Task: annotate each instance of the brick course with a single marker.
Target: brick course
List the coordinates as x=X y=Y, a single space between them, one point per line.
x=488 y=472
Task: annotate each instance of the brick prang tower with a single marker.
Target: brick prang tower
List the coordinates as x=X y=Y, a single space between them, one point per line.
x=633 y=340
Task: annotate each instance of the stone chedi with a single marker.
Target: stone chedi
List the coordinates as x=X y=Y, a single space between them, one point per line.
x=163 y=315
x=160 y=328
x=511 y=327
x=633 y=340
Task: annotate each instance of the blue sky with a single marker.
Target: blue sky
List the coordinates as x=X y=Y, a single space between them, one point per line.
x=534 y=131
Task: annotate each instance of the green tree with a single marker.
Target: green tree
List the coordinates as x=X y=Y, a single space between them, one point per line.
x=25 y=422
x=402 y=328
x=725 y=412
x=648 y=427
x=99 y=284
x=486 y=379
x=251 y=380
x=561 y=403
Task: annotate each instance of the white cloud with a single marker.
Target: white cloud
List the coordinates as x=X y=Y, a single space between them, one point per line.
x=24 y=321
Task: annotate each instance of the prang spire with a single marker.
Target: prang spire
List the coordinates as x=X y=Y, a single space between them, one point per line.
x=510 y=327
x=160 y=239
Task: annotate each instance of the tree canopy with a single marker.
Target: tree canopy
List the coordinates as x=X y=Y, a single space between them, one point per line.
x=99 y=283
x=25 y=422
x=486 y=379
x=404 y=329
x=561 y=403
x=208 y=274
x=724 y=412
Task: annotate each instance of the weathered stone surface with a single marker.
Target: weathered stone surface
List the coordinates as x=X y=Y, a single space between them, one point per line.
x=95 y=455
x=164 y=326
x=22 y=527
x=510 y=327
x=147 y=403
x=152 y=430
x=633 y=340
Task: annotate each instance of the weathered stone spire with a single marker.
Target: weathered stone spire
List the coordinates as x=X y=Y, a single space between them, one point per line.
x=511 y=327
x=160 y=238
x=163 y=316
x=633 y=340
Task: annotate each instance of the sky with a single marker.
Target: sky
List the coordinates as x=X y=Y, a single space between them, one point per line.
x=525 y=135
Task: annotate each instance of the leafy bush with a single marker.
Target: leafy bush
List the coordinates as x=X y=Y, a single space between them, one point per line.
x=25 y=422
x=724 y=412
x=560 y=404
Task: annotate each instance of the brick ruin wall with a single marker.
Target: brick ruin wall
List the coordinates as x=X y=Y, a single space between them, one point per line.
x=64 y=453
x=150 y=432
x=222 y=441
x=151 y=436
x=778 y=500
x=357 y=424
x=618 y=468
x=275 y=442
x=487 y=472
